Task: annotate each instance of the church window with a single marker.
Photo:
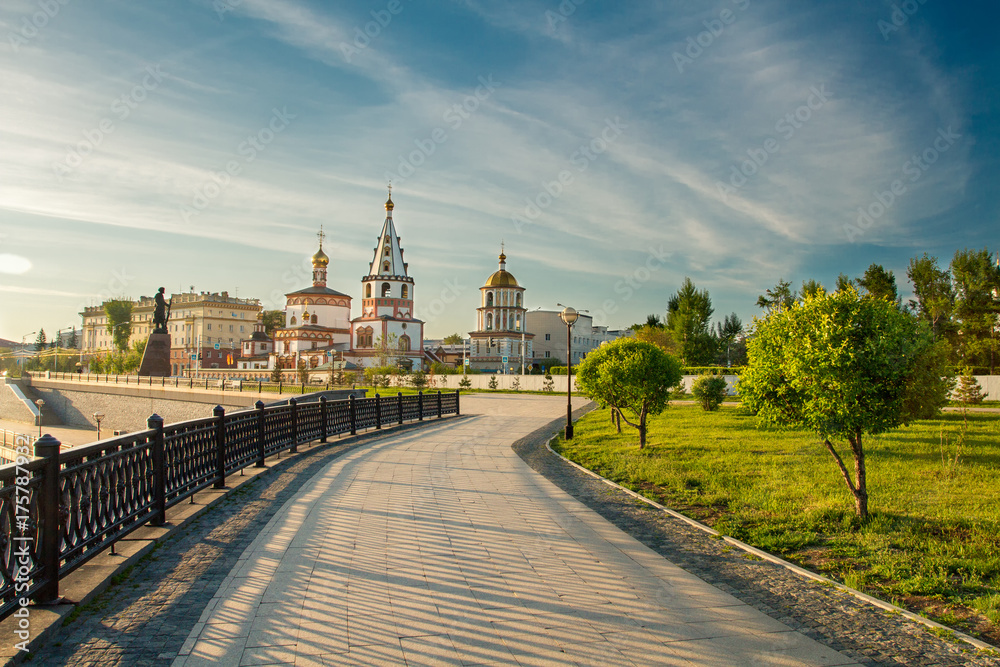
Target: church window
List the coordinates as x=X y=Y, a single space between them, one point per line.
x=489 y=299
x=314 y=345
x=404 y=343
x=406 y=292
x=387 y=253
x=489 y=321
x=511 y=322
x=518 y=327
x=518 y=300
x=385 y=290
x=385 y=267
x=314 y=318
x=293 y=322
x=286 y=347
x=368 y=291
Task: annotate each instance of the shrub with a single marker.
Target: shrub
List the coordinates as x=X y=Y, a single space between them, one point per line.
x=493 y=382
x=465 y=382
x=418 y=380
x=549 y=383
x=709 y=390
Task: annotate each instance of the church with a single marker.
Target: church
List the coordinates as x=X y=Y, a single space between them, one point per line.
x=318 y=325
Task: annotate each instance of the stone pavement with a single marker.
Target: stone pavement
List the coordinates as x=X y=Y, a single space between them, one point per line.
x=432 y=545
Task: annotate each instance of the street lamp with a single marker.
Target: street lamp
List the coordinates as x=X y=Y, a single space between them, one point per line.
x=569 y=316
x=98 y=416
x=39 y=403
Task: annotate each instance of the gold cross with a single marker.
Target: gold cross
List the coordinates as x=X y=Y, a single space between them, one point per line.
x=321 y=236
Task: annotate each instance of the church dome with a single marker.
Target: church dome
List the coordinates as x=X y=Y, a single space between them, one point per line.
x=502 y=279
x=320 y=259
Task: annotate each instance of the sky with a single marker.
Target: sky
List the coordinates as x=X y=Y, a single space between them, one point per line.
x=614 y=148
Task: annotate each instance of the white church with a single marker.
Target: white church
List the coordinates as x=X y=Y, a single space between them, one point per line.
x=319 y=328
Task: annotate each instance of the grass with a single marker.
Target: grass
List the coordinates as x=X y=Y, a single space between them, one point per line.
x=932 y=543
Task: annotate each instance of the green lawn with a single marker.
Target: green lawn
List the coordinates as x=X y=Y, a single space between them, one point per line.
x=933 y=541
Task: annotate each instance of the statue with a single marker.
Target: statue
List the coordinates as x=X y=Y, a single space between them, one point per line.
x=161 y=313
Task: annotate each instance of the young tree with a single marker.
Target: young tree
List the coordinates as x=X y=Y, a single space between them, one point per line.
x=630 y=375
x=40 y=341
x=273 y=320
x=935 y=296
x=548 y=384
x=689 y=315
x=838 y=365
x=777 y=299
x=968 y=391
x=119 y=316
x=302 y=371
x=387 y=350
x=418 y=380
x=710 y=390
x=493 y=383
x=465 y=382
x=879 y=283
x=454 y=339
x=73 y=341
x=977 y=306
x=276 y=373
x=516 y=384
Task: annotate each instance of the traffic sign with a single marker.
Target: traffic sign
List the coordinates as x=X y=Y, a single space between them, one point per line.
x=217 y=346
x=503 y=359
x=467 y=361
x=194 y=357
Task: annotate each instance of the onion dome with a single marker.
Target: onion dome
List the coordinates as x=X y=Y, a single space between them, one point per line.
x=502 y=278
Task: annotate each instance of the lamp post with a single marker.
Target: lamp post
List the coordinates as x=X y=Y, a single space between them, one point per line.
x=39 y=403
x=569 y=316
x=98 y=416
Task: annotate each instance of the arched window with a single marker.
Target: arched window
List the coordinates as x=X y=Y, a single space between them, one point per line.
x=293 y=321
x=404 y=343
x=489 y=321
x=489 y=299
x=406 y=292
x=385 y=290
x=386 y=253
x=314 y=318
x=385 y=267
x=511 y=322
x=286 y=347
x=519 y=300
x=518 y=320
x=368 y=291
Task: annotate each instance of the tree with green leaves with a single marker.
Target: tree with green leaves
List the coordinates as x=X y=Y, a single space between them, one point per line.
x=465 y=382
x=844 y=282
x=689 y=316
x=40 y=341
x=276 y=373
x=73 y=342
x=658 y=336
x=630 y=375
x=273 y=320
x=710 y=390
x=810 y=289
x=454 y=339
x=726 y=334
x=119 y=316
x=493 y=383
x=977 y=307
x=778 y=298
x=935 y=295
x=418 y=380
x=302 y=370
x=968 y=391
x=387 y=350
x=879 y=283
x=839 y=365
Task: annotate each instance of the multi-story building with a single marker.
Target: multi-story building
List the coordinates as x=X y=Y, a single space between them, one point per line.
x=550 y=335
x=205 y=328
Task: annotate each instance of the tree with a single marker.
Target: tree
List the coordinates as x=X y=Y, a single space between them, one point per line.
x=977 y=306
x=969 y=392
x=119 y=316
x=779 y=298
x=658 y=336
x=387 y=350
x=40 y=341
x=879 y=283
x=810 y=289
x=302 y=371
x=725 y=334
x=465 y=382
x=929 y=387
x=493 y=382
x=273 y=320
x=689 y=314
x=653 y=320
x=710 y=390
x=630 y=375
x=418 y=380
x=935 y=296
x=549 y=384
x=73 y=342
x=454 y=339
x=844 y=282
x=839 y=365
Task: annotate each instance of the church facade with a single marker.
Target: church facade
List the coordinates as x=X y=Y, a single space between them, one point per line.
x=501 y=343
x=319 y=328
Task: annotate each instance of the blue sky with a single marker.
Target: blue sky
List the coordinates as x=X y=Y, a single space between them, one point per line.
x=610 y=145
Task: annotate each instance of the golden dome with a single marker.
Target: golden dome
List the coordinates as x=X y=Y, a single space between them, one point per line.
x=502 y=278
x=388 y=203
x=320 y=259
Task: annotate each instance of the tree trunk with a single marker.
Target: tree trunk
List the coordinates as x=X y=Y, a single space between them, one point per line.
x=642 y=427
x=860 y=477
x=618 y=420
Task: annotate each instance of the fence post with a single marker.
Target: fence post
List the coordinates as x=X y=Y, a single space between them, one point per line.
x=399 y=400
x=420 y=406
x=280 y=392
x=220 y=446
x=458 y=392
x=439 y=403
x=260 y=434
x=378 y=411
x=322 y=418
x=354 y=416
x=294 y=405
x=155 y=421
x=260 y=385
x=47 y=448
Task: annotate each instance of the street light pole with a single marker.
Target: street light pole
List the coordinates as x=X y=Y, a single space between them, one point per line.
x=569 y=316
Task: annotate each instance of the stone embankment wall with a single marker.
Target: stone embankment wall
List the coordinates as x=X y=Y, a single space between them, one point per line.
x=13 y=405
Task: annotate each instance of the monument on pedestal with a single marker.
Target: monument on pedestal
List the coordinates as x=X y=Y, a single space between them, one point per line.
x=156 y=358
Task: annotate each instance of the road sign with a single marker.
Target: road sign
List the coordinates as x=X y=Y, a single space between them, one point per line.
x=503 y=359
x=194 y=357
x=467 y=361
x=217 y=346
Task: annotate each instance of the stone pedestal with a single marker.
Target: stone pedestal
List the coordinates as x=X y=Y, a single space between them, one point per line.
x=156 y=358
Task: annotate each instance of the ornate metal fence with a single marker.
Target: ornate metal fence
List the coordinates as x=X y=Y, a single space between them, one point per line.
x=62 y=508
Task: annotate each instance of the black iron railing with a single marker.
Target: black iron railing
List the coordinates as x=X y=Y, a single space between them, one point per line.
x=62 y=508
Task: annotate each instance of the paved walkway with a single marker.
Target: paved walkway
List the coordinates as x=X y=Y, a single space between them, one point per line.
x=440 y=546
